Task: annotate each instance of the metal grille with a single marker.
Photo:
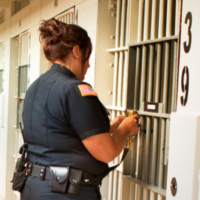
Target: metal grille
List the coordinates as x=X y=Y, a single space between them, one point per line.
x=119 y=85
x=67 y=17
x=152 y=78
x=22 y=74
x=22 y=78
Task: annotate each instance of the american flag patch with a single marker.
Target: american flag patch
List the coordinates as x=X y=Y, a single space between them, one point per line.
x=86 y=90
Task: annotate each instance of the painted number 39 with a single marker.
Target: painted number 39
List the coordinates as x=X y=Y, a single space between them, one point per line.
x=185 y=71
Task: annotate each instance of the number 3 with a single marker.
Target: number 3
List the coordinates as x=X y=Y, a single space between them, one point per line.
x=184 y=86
x=187 y=47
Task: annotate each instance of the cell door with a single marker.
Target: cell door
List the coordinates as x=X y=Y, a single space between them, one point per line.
x=145 y=71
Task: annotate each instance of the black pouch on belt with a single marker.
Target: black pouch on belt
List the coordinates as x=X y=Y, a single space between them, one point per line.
x=59 y=177
x=75 y=177
x=18 y=181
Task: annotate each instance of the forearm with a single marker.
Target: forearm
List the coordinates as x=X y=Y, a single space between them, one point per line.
x=118 y=141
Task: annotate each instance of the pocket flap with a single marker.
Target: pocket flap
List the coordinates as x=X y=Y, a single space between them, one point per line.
x=75 y=176
x=61 y=173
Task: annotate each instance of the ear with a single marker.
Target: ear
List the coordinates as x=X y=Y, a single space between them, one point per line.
x=76 y=51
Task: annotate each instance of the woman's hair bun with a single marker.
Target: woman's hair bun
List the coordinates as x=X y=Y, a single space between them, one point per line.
x=51 y=31
x=59 y=38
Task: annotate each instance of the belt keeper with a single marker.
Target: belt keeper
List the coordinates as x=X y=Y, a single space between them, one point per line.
x=29 y=169
x=42 y=173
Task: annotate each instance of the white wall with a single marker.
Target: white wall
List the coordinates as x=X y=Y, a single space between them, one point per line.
x=30 y=17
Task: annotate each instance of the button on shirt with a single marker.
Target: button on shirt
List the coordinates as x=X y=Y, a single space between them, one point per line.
x=59 y=112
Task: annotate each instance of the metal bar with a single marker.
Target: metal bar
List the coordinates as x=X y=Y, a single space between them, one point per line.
x=117 y=49
x=154 y=151
x=175 y=78
x=166 y=76
x=115 y=180
x=125 y=82
x=150 y=75
x=149 y=99
x=71 y=18
x=140 y=137
x=162 y=39
x=161 y=19
x=158 y=72
x=156 y=120
x=144 y=113
x=132 y=191
x=139 y=158
x=120 y=81
x=23 y=65
x=137 y=79
x=153 y=20
x=143 y=78
x=138 y=193
x=167 y=142
x=117 y=36
x=177 y=18
x=140 y=21
x=123 y=109
x=146 y=21
x=110 y=185
x=140 y=145
x=123 y=18
x=147 y=150
x=115 y=80
x=127 y=37
x=148 y=186
x=119 y=191
x=162 y=146
x=169 y=18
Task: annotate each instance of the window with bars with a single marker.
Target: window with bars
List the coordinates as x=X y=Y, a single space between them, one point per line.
x=17 y=5
x=67 y=17
x=22 y=74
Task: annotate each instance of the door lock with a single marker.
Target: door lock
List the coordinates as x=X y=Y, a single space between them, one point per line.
x=173 y=186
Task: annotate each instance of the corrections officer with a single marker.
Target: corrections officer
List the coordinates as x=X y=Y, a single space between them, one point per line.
x=65 y=124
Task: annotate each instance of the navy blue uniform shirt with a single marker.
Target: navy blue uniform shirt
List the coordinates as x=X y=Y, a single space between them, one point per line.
x=57 y=116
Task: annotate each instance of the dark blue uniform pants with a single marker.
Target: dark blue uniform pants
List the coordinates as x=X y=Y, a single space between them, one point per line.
x=36 y=189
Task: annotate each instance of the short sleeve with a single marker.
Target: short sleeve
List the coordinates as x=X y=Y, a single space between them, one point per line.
x=85 y=112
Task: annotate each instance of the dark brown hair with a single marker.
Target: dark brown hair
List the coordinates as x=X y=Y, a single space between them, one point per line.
x=59 y=38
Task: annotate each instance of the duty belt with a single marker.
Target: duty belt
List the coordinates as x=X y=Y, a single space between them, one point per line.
x=87 y=179
x=44 y=173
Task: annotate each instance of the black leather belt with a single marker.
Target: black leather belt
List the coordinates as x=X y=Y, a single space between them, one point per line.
x=44 y=173
x=87 y=179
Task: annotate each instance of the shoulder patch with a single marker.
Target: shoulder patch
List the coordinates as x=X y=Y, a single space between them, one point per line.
x=86 y=90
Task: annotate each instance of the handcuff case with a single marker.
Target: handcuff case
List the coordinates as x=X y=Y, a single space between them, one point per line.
x=59 y=177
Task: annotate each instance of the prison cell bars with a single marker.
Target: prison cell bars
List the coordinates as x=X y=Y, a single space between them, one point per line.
x=119 y=85
x=152 y=194
x=148 y=174
x=67 y=16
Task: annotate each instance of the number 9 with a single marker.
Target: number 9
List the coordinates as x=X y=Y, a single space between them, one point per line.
x=184 y=86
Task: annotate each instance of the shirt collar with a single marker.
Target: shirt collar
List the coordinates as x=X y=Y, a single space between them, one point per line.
x=62 y=69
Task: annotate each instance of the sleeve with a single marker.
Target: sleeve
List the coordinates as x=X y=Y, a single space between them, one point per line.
x=85 y=112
